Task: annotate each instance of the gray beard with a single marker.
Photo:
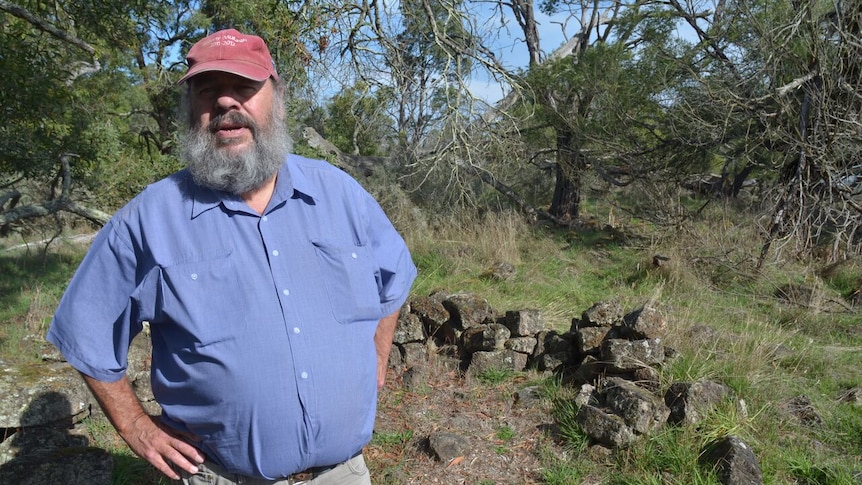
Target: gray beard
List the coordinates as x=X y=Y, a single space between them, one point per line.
x=236 y=172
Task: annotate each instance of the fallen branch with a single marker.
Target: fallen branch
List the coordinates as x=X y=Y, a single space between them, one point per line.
x=63 y=203
x=532 y=213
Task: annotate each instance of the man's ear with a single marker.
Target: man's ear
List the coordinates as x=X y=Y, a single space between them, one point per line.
x=279 y=96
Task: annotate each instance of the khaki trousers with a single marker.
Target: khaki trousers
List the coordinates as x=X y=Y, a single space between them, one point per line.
x=351 y=472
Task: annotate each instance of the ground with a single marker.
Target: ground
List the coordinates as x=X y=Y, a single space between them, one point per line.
x=506 y=434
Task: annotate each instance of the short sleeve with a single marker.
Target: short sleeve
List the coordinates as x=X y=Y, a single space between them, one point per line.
x=397 y=270
x=93 y=324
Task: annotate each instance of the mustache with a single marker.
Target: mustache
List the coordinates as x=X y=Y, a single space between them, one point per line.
x=233 y=119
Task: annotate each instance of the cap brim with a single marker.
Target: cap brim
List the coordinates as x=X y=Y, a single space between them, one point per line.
x=239 y=68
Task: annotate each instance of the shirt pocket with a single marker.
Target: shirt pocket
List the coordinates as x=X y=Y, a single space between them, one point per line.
x=351 y=281
x=203 y=301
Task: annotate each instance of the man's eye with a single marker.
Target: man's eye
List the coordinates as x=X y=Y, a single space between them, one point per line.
x=247 y=89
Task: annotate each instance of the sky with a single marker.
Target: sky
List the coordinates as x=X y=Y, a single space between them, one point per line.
x=510 y=48
x=503 y=34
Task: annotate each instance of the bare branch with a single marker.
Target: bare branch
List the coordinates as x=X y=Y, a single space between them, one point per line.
x=11 y=197
x=45 y=26
x=487 y=177
x=63 y=202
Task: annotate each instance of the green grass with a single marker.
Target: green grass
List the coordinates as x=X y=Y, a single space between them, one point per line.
x=494 y=377
x=659 y=459
x=504 y=433
x=567 y=469
x=392 y=439
x=30 y=288
x=128 y=468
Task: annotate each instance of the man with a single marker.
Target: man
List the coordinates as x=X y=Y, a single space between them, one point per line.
x=272 y=284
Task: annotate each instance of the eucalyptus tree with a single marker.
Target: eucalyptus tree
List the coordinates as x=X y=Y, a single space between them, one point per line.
x=423 y=56
x=774 y=93
x=598 y=95
x=356 y=121
x=757 y=88
x=590 y=104
x=413 y=54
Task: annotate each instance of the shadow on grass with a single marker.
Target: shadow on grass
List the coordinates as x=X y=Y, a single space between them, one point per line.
x=131 y=470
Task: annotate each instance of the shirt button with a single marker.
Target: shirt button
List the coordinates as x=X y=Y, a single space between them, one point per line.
x=353 y=255
x=286 y=292
x=295 y=329
x=304 y=375
x=194 y=276
x=275 y=252
x=265 y=218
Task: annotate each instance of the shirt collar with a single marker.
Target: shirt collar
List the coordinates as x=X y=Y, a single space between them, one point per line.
x=291 y=182
x=295 y=181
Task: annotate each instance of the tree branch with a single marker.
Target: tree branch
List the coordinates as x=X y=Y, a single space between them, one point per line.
x=61 y=203
x=487 y=177
x=44 y=26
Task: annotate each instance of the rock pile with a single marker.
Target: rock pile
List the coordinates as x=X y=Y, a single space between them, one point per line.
x=43 y=405
x=614 y=357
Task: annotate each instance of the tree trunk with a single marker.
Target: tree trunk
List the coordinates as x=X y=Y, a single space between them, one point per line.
x=523 y=10
x=739 y=180
x=793 y=173
x=566 y=203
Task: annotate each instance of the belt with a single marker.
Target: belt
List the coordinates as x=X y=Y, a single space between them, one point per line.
x=302 y=476
x=310 y=474
x=316 y=471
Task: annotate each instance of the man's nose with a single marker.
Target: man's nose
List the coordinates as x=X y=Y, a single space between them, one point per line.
x=226 y=100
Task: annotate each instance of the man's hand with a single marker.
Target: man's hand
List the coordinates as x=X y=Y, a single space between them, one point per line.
x=383 y=342
x=152 y=441
x=145 y=434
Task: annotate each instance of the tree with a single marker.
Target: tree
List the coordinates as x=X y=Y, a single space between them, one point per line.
x=763 y=89
x=48 y=135
x=356 y=122
x=757 y=89
x=601 y=111
x=775 y=89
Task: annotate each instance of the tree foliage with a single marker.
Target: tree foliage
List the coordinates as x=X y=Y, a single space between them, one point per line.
x=773 y=92
x=639 y=92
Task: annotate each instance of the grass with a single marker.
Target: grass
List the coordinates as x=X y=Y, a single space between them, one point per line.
x=392 y=439
x=504 y=433
x=493 y=377
x=766 y=349
x=30 y=288
x=128 y=468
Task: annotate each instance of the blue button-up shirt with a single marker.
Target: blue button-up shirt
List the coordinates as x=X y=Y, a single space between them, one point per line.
x=262 y=326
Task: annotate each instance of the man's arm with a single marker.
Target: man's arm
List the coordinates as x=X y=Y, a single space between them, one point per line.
x=383 y=342
x=145 y=435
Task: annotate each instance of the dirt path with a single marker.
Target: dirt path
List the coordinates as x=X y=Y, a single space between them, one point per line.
x=76 y=239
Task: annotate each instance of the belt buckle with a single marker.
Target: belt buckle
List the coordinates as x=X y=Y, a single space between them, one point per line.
x=302 y=476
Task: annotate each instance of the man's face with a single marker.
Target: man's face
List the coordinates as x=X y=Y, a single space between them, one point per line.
x=237 y=138
x=218 y=96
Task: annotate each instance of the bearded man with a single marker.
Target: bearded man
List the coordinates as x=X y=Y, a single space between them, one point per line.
x=271 y=283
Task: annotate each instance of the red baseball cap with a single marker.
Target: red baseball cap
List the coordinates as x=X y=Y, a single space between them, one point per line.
x=233 y=52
